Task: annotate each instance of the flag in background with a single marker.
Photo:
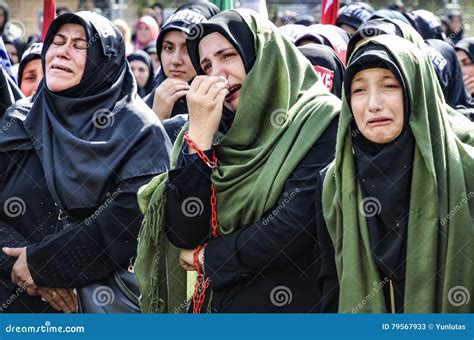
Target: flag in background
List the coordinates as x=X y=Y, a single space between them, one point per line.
x=49 y=13
x=329 y=11
x=5 y=60
x=223 y=4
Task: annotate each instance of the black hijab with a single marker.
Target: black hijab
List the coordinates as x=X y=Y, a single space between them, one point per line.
x=449 y=73
x=327 y=64
x=466 y=45
x=146 y=59
x=19 y=44
x=234 y=28
x=33 y=52
x=183 y=19
x=426 y=23
x=95 y=134
x=372 y=28
x=384 y=172
x=354 y=15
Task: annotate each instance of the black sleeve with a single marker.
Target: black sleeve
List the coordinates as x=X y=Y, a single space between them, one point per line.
x=9 y=237
x=188 y=210
x=327 y=278
x=284 y=233
x=94 y=248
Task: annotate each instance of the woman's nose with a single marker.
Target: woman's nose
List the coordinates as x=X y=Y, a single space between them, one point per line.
x=375 y=102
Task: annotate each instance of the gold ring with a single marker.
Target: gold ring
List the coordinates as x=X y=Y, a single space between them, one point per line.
x=53 y=294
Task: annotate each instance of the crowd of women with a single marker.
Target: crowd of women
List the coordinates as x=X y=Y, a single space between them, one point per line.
x=264 y=169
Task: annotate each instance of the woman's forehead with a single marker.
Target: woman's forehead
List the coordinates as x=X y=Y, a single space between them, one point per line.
x=75 y=30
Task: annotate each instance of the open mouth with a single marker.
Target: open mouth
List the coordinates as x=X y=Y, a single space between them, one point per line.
x=61 y=67
x=232 y=90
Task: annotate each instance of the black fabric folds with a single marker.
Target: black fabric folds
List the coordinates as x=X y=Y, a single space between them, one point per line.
x=327 y=64
x=87 y=137
x=449 y=73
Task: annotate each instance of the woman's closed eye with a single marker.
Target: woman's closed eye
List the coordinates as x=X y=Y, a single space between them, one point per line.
x=357 y=90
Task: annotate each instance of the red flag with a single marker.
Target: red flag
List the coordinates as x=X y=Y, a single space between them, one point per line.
x=329 y=11
x=49 y=13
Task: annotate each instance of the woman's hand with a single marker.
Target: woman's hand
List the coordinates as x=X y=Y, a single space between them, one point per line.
x=205 y=104
x=186 y=259
x=61 y=299
x=166 y=95
x=21 y=275
x=469 y=83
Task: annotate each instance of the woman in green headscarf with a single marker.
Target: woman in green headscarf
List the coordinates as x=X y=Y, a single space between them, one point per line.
x=461 y=125
x=397 y=201
x=276 y=131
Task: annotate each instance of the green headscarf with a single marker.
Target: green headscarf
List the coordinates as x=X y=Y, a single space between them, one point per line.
x=283 y=110
x=461 y=125
x=440 y=223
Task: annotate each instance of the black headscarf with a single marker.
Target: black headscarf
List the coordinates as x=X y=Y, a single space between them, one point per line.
x=384 y=172
x=373 y=28
x=466 y=45
x=354 y=15
x=95 y=134
x=183 y=19
x=426 y=23
x=146 y=59
x=327 y=64
x=234 y=28
x=18 y=43
x=449 y=73
x=329 y=35
x=385 y=13
x=33 y=52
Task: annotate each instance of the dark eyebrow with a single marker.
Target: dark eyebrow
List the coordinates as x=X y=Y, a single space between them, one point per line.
x=168 y=42
x=217 y=54
x=73 y=39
